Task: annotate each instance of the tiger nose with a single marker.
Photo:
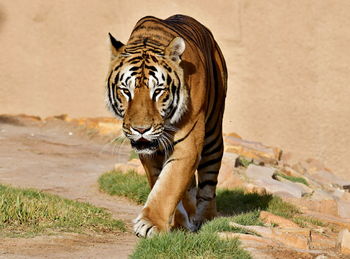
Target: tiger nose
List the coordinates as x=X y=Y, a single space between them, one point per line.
x=141 y=129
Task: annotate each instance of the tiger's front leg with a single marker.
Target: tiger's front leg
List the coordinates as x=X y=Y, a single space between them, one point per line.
x=167 y=192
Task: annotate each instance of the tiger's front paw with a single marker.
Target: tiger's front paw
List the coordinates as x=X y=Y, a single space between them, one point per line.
x=144 y=228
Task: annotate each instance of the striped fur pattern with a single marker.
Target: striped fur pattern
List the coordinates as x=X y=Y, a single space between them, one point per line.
x=168 y=85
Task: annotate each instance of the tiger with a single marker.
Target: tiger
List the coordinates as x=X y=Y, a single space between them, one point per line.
x=168 y=85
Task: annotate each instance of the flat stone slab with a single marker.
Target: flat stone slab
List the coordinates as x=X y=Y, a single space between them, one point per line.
x=262 y=176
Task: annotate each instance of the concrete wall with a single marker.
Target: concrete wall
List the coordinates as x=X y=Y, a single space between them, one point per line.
x=288 y=64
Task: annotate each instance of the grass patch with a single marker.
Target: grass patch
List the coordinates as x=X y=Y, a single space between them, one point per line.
x=222 y=223
x=130 y=185
x=28 y=212
x=238 y=206
x=232 y=202
x=304 y=221
x=294 y=179
x=229 y=202
x=204 y=244
x=242 y=161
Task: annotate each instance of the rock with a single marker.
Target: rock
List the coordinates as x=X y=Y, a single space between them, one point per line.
x=293 y=237
x=140 y=170
x=108 y=127
x=228 y=177
x=232 y=235
x=262 y=176
x=304 y=188
x=319 y=241
x=338 y=194
x=134 y=162
x=63 y=117
x=343 y=242
x=321 y=195
x=334 y=220
x=346 y=187
x=132 y=165
x=320 y=201
x=343 y=208
x=260 y=172
x=233 y=134
x=282 y=189
x=256 y=246
x=242 y=161
x=346 y=196
x=270 y=218
x=103 y=125
x=254 y=150
x=124 y=168
x=326 y=178
x=291 y=172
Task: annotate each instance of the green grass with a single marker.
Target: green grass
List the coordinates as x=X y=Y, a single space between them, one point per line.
x=229 y=202
x=235 y=205
x=130 y=185
x=294 y=179
x=28 y=212
x=242 y=161
x=305 y=221
x=204 y=244
x=232 y=202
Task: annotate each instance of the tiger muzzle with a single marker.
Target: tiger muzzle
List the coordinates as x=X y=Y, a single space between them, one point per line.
x=144 y=144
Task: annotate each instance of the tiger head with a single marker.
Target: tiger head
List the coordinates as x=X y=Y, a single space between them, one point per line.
x=146 y=88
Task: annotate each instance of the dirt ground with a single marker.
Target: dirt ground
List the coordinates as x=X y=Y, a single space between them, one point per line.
x=62 y=159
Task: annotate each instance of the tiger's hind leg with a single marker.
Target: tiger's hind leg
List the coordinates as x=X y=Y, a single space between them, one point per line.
x=212 y=152
x=208 y=171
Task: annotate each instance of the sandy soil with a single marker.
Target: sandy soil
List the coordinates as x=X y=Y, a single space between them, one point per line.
x=61 y=159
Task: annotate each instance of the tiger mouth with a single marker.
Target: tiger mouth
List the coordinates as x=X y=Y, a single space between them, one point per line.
x=144 y=144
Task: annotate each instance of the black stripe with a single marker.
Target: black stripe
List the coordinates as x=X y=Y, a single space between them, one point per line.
x=166 y=98
x=201 y=185
x=109 y=94
x=127 y=79
x=211 y=143
x=134 y=58
x=208 y=153
x=168 y=80
x=153 y=68
x=210 y=162
x=154 y=59
x=210 y=172
x=188 y=133
x=212 y=130
x=169 y=161
x=116 y=79
x=119 y=65
x=148 y=229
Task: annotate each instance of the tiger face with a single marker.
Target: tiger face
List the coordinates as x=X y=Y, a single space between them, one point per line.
x=146 y=89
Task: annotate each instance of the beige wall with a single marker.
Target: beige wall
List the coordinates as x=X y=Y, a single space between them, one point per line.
x=288 y=63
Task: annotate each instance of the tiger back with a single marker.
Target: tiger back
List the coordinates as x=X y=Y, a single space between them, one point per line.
x=168 y=85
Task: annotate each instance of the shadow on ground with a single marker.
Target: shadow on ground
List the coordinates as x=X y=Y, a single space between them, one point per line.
x=233 y=202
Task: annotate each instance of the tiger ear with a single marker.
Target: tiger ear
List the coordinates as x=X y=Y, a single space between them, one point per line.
x=175 y=49
x=115 y=46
